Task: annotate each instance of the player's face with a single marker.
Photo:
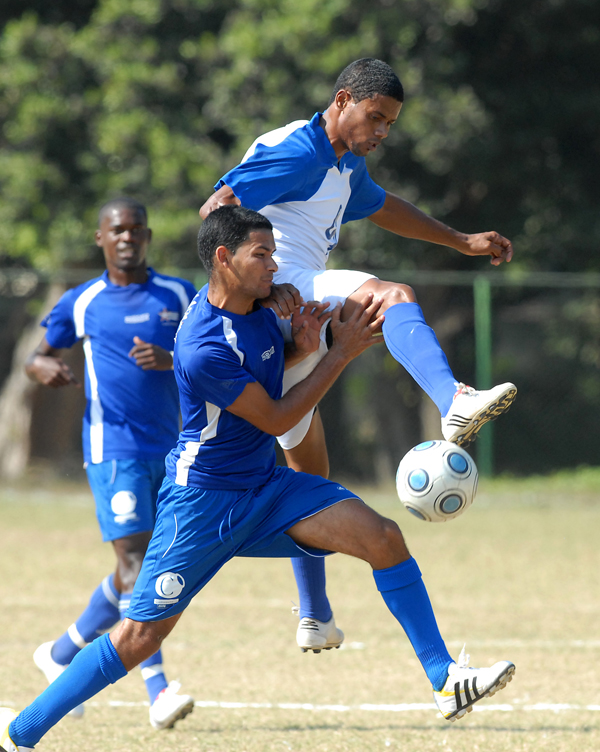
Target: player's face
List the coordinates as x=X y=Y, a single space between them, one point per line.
x=124 y=237
x=363 y=125
x=253 y=264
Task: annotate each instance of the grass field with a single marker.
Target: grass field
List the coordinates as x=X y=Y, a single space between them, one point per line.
x=516 y=577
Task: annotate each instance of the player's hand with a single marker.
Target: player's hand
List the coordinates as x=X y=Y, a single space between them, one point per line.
x=150 y=357
x=54 y=372
x=223 y=197
x=284 y=299
x=360 y=331
x=489 y=244
x=307 y=322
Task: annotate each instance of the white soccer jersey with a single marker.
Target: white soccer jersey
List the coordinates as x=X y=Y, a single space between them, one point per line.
x=293 y=177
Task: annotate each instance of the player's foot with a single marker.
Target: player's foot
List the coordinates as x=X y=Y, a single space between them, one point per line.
x=466 y=686
x=52 y=670
x=316 y=635
x=472 y=409
x=170 y=707
x=7 y=716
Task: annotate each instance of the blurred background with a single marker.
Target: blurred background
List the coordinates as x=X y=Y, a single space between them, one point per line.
x=158 y=98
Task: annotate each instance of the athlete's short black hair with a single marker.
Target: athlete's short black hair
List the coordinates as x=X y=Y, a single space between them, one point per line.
x=366 y=78
x=123 y=202
x=228 y=226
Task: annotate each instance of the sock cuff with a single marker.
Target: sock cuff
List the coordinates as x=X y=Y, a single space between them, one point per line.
x=398 y=576
x=110 y=664
x=403 y=312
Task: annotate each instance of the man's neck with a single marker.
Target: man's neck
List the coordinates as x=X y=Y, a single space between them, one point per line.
x=232 y=301
x=328 y=122
x=124 y=277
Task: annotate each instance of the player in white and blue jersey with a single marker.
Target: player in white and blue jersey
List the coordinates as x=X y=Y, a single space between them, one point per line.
x=223 y=495
x=309 y=178
x=127 y=320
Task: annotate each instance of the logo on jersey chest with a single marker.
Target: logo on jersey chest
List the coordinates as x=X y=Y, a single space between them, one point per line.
x=268 y=353
x=169 y=317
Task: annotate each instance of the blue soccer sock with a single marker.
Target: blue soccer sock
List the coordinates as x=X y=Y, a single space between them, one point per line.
x=91 y=670
x=404 y=593
x=101 y=614
x=413 y=344
x=152 y=669
x=309 y=572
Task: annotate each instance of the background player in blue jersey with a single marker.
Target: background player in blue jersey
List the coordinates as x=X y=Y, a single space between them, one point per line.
x=223 y=495
x=127 y=319
x=309 y=178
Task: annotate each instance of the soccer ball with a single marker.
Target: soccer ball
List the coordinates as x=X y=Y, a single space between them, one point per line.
x=437 y=481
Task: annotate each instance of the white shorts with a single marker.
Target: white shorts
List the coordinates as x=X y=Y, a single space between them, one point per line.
x=333 y=286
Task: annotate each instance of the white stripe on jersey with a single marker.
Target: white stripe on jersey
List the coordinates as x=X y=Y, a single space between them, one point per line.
x=96 y=409
x=81 y=304
x=272 y=138
x=187 y=457
x=190 y=452
x=175 y=287
x=231 y=338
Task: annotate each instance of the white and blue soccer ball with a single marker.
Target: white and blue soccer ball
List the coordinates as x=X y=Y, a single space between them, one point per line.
x=437 y=481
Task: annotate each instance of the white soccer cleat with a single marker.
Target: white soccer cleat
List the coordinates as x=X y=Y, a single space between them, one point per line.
x=170 y=707
x=466 y=686
x=7 y=716
x=316 y=635
x=52 y=670
x=472 y=409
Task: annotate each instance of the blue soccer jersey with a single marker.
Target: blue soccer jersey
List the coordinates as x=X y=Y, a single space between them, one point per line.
x=130 y=413
x=293 y=177
x=217 y=353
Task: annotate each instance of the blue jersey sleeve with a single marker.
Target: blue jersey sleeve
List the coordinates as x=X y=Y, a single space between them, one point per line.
x=366 y=196
x=60 y=324
x=215 y=375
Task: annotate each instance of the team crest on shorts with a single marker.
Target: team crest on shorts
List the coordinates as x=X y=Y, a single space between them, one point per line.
x=169 y=586
x=123 y=505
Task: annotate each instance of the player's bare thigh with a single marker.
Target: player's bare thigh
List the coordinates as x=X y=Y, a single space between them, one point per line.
x=351 y=527
x=310 y=455
x=391 y=292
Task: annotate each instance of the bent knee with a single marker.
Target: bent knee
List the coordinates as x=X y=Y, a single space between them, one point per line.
x=390 y=548
x=398 y=293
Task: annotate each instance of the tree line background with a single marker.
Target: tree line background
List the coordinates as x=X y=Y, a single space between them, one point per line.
x=157 y=99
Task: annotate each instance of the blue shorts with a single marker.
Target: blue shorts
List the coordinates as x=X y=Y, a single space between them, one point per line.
x=125 y=492
x=198 y=530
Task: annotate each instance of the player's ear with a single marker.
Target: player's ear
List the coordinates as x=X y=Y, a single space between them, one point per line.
x=98 y=238
x=222 y=254
x=149 y=231
x=343 y=98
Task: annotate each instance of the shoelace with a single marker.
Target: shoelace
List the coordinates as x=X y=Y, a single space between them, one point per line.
x=172 y=689
x=463 y=658
x=465 y=389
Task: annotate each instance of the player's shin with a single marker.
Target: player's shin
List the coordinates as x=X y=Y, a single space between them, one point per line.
x=91 y=670
x=404 y=593
x=413 y=344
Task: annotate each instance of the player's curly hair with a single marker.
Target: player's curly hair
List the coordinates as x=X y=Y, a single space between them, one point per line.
x=228 y=226
x=366 y=78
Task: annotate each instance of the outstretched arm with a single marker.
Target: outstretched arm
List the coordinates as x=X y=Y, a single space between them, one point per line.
x=45 y=366
x=401 y=217
x=350 y=338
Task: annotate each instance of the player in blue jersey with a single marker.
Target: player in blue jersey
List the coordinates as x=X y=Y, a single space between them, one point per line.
x=309 y=178
x=127 y=319
x=223 y=495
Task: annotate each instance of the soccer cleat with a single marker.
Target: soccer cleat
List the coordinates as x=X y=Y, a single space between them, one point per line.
x=472 y=409
x=316 y=635
x=170 y=707
x=7 y=716
x=466 y=686
x=52 y=670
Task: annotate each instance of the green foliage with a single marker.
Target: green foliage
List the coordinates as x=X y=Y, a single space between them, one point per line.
x=158 y=99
